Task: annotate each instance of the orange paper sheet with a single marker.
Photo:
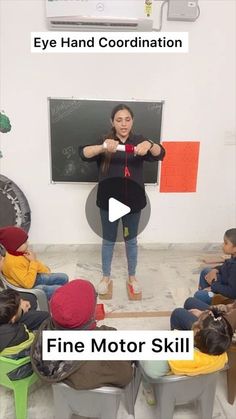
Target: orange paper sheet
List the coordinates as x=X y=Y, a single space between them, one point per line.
x=180 y=166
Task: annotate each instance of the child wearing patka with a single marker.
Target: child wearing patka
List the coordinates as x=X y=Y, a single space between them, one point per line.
x=21 y=268
x=73 y=307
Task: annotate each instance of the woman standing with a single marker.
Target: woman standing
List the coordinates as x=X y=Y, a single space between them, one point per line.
x=121 y=176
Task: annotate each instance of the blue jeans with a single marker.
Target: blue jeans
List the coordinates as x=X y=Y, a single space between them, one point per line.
x=202 y=294
x=182 y=319
x=50 y=282
x=130 y=228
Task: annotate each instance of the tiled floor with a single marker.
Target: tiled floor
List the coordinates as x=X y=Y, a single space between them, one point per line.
x=168 y=274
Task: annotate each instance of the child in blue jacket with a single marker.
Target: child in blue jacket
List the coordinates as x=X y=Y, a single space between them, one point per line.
x=221 y=279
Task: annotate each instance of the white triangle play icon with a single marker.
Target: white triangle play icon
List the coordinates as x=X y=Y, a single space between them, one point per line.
x=116 y=209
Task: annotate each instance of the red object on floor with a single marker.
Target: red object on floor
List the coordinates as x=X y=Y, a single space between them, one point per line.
x=100 y=312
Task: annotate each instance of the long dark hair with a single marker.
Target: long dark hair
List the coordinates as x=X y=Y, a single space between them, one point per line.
x=112 y=134
x=9 y=305
x=215 y=334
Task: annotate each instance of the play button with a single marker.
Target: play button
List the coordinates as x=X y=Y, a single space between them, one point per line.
x=116 y=210
x=118 y=202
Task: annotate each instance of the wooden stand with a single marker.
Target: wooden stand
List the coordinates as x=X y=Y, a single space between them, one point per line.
x=213 y=260
x=131 y=294
x=231 y=373
x=108 y=295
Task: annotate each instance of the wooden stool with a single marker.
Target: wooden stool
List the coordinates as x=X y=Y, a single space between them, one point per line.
x=231 y=373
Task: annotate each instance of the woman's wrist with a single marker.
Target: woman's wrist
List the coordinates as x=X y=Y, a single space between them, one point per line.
x=154 y=149
x=93 y=150
x=151 y=144
x=99 y=149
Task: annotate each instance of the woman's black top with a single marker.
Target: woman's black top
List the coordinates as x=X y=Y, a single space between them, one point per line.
x=114 y=184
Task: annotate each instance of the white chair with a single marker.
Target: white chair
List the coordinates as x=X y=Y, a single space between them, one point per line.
x=40 y=295
x=171 y=390
x=100 y=403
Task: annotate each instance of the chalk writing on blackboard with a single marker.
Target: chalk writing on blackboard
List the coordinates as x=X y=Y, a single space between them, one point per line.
x=70 y=168
x=63 y=109
x=154 y=107
x=68 y=151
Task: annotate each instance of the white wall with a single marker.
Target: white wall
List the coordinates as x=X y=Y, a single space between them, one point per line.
x=199 y=93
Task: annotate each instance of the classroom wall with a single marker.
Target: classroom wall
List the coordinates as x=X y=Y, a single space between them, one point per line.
x=199 y=93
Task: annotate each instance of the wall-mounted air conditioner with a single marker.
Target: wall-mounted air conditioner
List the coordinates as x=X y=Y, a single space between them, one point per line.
x=94 y=15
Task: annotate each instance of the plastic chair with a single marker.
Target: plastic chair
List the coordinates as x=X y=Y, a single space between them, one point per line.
x=20 y=387
x=101 y=403
x=171 y=390
x=42 y=300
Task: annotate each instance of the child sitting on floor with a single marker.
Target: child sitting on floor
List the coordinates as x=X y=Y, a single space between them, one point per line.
x=221 y=279
x=21 y=268
x=212 y=337
x=15 y=339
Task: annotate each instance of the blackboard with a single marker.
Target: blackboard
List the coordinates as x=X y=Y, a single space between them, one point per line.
x=75 y=122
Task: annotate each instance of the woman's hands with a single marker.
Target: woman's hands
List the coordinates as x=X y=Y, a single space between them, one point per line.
x=111 y=145
x=142 y=148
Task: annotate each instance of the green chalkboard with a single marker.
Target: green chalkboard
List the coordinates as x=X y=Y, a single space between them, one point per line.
x=78 y=122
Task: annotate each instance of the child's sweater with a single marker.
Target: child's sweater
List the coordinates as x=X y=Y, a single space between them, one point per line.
x=226 y=279
x=201 y=364
x=15 y=343
x=14 y=338
x=21 y=272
